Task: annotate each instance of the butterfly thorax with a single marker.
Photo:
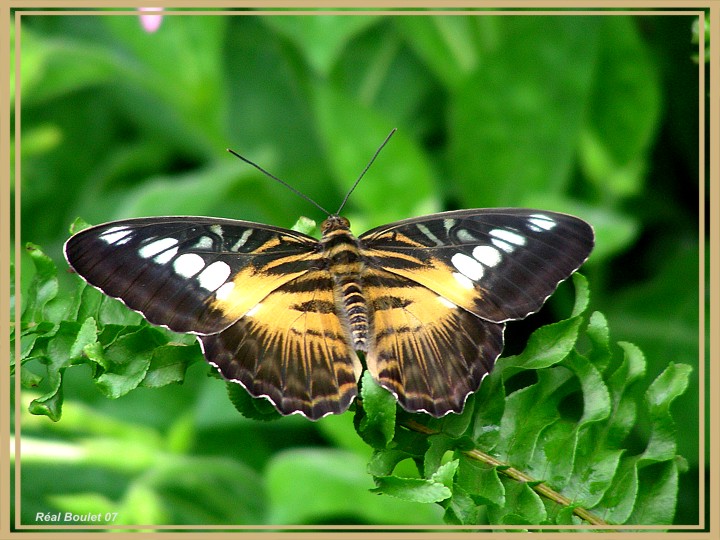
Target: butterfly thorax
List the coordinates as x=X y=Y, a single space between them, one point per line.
x=341 y=250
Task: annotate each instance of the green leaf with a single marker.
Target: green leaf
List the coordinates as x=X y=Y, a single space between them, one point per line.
x=87 y=335
x=582 y=294
x=480 y=482
x=50 y=404
x=445 y=474
x=249 y=406
x=78 y=225
x=128 y=360
x=596 y=396
x=498 y=151
x=527 y=412
x=43 y=287
x=440 y=444
x=377 y=423
x=383 y=462
x=657 y=496
x=599 y=334
x=168 y=364
x=321 y=485
x=63 y=348
x=669 y=385
x=461 y=509
x=489 y=409
x=547 y=346
x=321 y=39
x=523 y=506
x=412 y=489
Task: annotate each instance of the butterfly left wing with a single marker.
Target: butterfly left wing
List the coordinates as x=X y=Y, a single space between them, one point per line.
x=292 y=348
x=500 y=264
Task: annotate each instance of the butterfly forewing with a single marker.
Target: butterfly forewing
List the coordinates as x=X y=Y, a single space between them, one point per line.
x=499 y=264
x=193 y=274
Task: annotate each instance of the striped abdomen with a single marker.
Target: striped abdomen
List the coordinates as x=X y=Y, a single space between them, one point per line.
x=345 y=264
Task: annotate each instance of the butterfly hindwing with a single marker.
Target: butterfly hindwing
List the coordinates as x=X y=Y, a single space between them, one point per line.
x=190 y=274
x=426 y=350
x=293 y=348
x=500 y=264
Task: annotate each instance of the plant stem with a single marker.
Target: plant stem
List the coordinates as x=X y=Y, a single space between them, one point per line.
x=540 y=488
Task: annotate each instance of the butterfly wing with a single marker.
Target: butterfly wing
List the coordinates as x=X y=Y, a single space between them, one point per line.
x=440 y=287
x=292 y=348
x=500 y=264
x=194 y=274
x=426 y=350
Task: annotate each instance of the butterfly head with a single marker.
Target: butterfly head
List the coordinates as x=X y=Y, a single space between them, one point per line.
x=334 y=223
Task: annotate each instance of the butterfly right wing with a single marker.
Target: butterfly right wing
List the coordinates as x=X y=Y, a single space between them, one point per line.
x=190 y=274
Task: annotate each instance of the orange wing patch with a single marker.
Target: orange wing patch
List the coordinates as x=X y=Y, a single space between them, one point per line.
x=437 y=276
x=425 y=349
x=293 y=348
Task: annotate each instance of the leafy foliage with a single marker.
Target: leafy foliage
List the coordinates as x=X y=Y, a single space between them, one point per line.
x=566 y=432
x=596 y=116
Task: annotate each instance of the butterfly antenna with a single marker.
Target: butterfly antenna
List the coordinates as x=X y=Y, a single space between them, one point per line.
x=266 y=173
x=366 y=169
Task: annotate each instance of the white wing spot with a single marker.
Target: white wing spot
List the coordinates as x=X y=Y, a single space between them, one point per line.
x=254 y=310
x=116 y=235
x=508 y=236
x=448 y=223
x=487 y=255
x=507 y=248
x=224 y=291
x=541 y=222
x=242 y=240
x=468 y=266
x=205 y=242
x=158 y=246
x=445 y=302
x=466 y=236
x=463 y=280
x=188 y=264
x=166 y=256
x=217 y=229
x=427 y=232
x=214 y=275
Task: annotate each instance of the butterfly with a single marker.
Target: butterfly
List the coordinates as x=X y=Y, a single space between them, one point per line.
x=420 y=303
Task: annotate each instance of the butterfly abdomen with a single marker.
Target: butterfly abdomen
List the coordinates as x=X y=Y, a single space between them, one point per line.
x=345 y=264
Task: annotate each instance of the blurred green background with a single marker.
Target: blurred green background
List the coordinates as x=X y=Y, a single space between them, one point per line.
x=591 y=115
